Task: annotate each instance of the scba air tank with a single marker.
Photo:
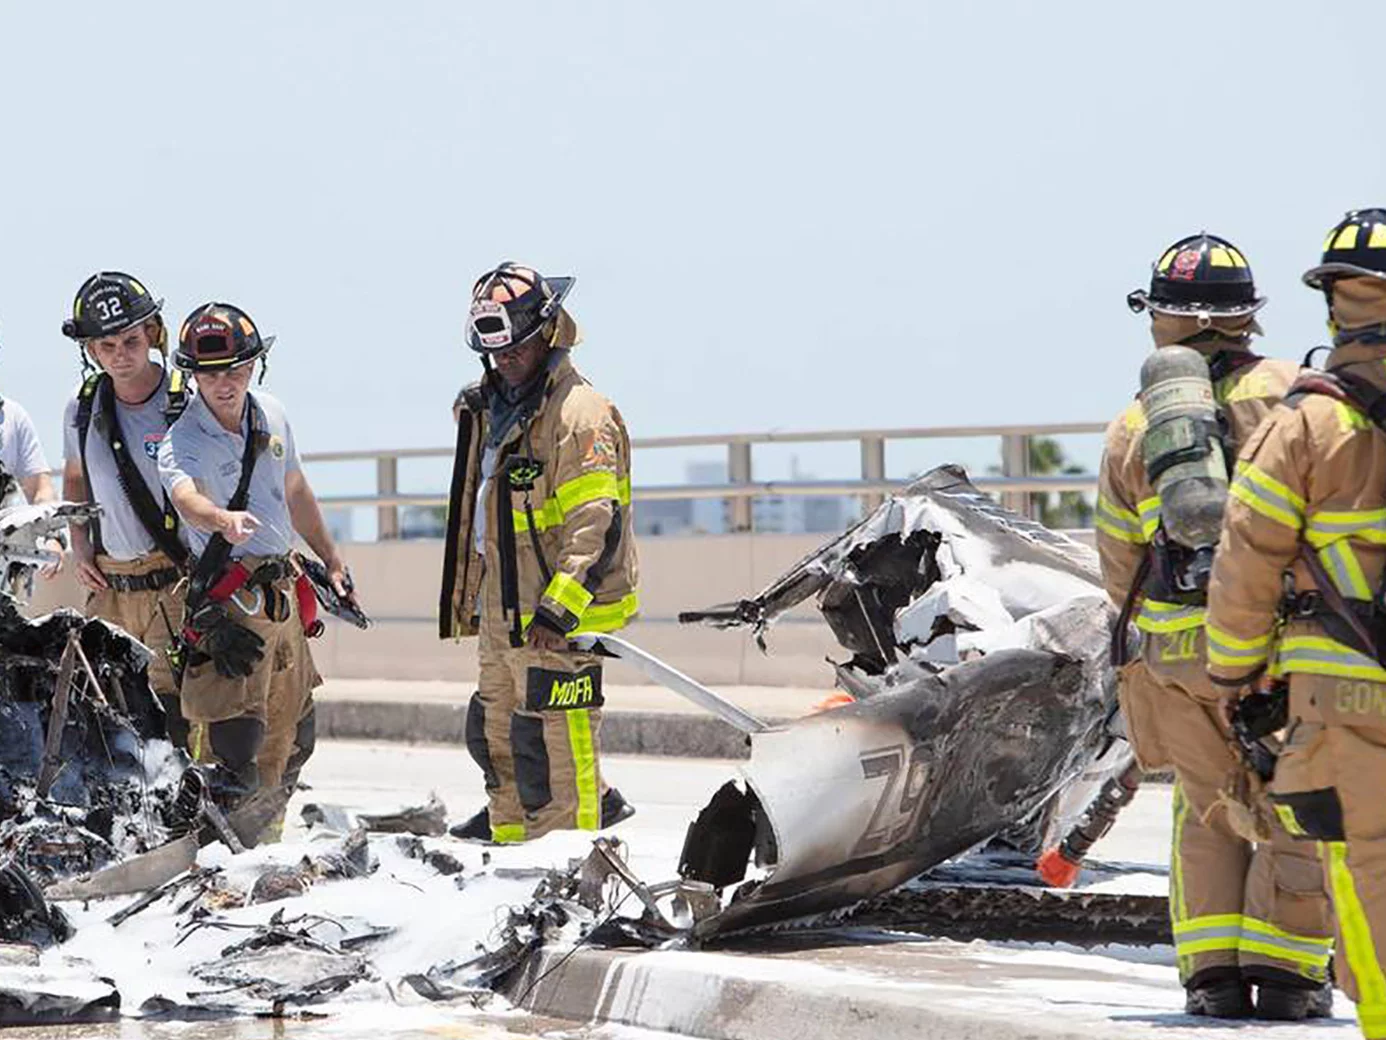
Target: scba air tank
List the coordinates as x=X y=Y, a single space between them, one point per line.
x=1182 y=446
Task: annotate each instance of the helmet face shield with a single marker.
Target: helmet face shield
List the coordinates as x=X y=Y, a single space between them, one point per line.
x=511 y=304
x=489 y=328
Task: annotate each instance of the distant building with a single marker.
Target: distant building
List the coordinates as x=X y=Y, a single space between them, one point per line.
x=664 y=516
x=770 y=514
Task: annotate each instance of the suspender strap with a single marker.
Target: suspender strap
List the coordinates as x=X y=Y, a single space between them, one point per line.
x=161 y=523
x=214 y=558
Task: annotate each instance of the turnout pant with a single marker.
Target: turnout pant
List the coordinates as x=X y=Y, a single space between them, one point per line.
x=1258 y=909
x=278 y=695
x=533 y=727
x=139 y=614
x=1328 y=789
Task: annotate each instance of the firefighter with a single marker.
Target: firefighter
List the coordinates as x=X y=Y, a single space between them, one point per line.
x=132 y=557
x=231 y=469
x=1243 y=913
x=1296 y=593
x=539 y=546
x=24 y=478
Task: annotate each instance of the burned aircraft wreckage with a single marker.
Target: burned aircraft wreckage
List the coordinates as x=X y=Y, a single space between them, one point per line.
x=984 y=711
x=982 y=717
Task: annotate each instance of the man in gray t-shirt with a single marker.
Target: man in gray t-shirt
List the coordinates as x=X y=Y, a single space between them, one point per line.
x=132 y=557
x=21 y=454
x=249 y=675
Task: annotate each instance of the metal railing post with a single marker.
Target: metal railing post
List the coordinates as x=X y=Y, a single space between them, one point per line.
x=1015 y=462
x=872 y=468
x=387 y=483
x=739 y=510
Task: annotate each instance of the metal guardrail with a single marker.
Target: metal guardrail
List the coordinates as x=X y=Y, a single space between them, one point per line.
x=1014 y=485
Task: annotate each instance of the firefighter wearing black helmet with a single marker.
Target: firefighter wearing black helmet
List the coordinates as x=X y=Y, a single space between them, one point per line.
x=132 y=557
x=231 y=468
x=539 y=546
x=1246 y=913
x=1297 y=593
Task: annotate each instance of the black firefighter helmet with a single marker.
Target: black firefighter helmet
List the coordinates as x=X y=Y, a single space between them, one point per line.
x=219 y=337
x=1201 y=274
x=107 y=303
x=1354 y=248
x=510 y=304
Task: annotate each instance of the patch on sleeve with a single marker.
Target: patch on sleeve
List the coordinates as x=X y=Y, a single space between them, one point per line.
x=599 y=449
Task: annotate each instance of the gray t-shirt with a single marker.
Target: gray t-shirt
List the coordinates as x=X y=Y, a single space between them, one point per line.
x=20 y=452
x=199 y=448
x=142 y=426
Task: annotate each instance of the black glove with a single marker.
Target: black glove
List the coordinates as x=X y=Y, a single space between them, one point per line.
x=1254 y=718
x=234 y=650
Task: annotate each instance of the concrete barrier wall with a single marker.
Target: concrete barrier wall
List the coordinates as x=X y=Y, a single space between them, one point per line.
x=399 y=584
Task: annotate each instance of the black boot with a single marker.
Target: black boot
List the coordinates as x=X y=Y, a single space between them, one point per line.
x=1218 y=993
x=478 y=828
x=615 y=808
x=1279 y=1003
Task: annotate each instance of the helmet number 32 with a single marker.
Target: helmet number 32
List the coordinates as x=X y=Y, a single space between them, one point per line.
x=109 y=308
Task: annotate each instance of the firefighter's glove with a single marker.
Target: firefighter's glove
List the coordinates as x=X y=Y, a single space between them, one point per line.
x=235 y=651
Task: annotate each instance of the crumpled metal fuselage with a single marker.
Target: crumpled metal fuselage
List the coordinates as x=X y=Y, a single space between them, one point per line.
x=979 y=643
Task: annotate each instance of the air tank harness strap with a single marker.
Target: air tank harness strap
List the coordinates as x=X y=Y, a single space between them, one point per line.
x=1358 y=623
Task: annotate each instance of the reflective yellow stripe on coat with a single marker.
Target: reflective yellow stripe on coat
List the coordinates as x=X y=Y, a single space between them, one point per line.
x=590 y=487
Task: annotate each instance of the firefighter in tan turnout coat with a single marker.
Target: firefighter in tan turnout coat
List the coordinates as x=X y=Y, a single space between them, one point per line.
x=539 y=547
x=1242 y=914
x=1309 y=496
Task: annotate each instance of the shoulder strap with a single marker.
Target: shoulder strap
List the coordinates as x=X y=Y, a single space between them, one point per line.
x=212 y=562
x=86 y=399
x=161 y=523
x=177 y=396
x=1341 y=386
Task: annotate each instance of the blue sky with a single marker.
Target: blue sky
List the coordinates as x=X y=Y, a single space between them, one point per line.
x=781 y=215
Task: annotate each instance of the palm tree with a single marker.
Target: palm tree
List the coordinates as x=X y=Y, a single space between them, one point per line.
x=1072 y=508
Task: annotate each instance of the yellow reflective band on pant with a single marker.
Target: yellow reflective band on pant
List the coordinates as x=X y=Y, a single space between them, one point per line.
x=1158 y=616
x=1289 y=820
x=589 y=811
x=1358 y=944
x=1178 y=905
x=567 y=592
x=1319 y=655
x=1267 y=496
x=1309 y=955
x=1232 y=652
x=1207 y=934
x=1367 y=525
x=590 y=487
x=507 y=833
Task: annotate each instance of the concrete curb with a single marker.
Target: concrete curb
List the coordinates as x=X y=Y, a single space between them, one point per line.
x=751 y=998
x=622 y=732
